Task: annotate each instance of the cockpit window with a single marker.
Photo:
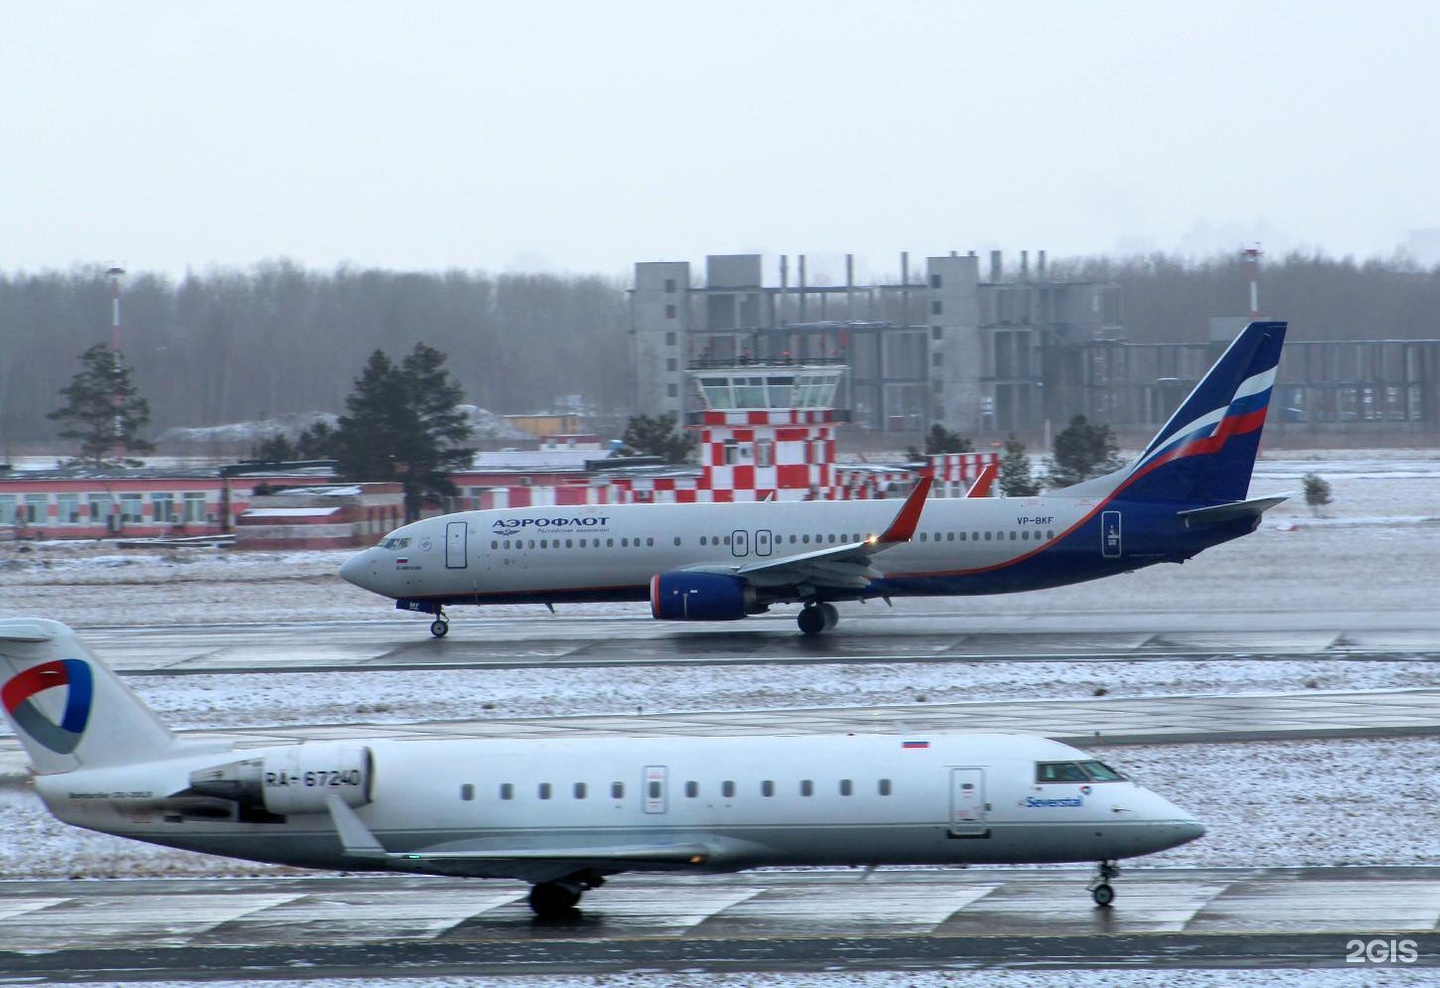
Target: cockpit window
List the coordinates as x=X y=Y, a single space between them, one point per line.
x=395 y=542
x=1101 y=772
x=1091 y=771
x=1060 y=772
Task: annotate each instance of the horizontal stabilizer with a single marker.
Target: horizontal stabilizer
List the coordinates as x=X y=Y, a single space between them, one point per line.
x=1217 y=513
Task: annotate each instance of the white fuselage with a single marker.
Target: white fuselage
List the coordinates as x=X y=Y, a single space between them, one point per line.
x=748 y=801
x=602 y=552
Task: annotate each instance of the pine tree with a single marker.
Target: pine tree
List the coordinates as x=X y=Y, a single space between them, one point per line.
x=657 y=436
x=107 y=410
x=1082 y=451
x=274 y=447
x=1017 y=476
x=316 y=442
x=940 y=440
x=403 y=424
x=1317 y=492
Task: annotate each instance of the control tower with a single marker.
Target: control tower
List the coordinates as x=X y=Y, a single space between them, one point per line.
x=767 y=429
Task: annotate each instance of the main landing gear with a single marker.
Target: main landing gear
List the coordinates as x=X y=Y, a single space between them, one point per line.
x=815 y=618
x=440 y=627
x=557 y=900
x=1100 y=889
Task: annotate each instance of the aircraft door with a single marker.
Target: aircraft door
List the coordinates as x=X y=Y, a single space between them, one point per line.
x=967 y=803
x=655 y=789
x=455 y=539
x=763 y=540
x=1110 y=534
x=739 y=543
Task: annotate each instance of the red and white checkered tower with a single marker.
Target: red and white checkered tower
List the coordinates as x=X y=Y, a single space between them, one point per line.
x=768 y=428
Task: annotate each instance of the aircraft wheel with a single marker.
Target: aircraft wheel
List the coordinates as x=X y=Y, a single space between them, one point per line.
x=1103 y=894
x=831 y=613
x=552 y=900
x=439 y=627
x=811 y=619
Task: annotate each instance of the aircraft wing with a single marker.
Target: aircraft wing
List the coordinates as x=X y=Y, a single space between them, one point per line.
x=487 y=858
x=622 y=854
x=847 y=565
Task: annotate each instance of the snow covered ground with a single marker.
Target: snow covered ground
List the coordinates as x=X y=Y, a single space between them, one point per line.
x=1289 y=803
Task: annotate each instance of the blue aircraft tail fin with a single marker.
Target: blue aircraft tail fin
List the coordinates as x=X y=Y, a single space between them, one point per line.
x=1205 y=453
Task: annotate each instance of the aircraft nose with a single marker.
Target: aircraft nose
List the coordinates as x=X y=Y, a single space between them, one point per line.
x=1189 y=830
x=359 y=569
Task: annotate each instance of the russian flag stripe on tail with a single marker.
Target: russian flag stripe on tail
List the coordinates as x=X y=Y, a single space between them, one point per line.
x=1206 y=451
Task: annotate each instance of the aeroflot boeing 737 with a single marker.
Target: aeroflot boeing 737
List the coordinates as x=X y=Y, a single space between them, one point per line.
x=716 y=562
x=562 y=814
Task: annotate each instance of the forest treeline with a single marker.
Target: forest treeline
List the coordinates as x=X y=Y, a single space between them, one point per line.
x=243 y=345
x=239 y=345
x=1169 y=300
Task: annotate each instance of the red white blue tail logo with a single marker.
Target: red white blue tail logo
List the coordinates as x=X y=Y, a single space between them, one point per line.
x=19 y=695
x=1206 y=452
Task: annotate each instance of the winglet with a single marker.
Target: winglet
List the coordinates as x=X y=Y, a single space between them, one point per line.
x=902 y=529
x=986 y=480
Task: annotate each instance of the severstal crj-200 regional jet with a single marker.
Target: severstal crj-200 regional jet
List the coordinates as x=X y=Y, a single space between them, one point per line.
x=1187 y=491
x=564 y=813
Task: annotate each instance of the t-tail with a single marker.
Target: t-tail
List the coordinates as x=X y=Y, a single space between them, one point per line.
x=68 y=709
x=1205 y=453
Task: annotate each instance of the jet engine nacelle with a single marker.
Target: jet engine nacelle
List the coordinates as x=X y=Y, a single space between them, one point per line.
x=701 y=597
x=292 y=780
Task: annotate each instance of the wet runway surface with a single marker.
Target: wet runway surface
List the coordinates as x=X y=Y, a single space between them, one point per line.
x=139 y=930
x=868 y=634
x=544 y=641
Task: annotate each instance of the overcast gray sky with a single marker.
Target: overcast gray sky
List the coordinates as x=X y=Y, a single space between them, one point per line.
x=584 y=136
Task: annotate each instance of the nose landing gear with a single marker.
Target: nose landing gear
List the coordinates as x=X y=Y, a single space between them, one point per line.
x=1100 y=888
x=440 y=627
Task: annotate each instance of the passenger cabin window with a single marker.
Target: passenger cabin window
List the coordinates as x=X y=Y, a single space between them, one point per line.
x=846 y=787
x=544 y=790
x=467 y=792
x=579 y=790
x=767 y=788
x=807 y=787
x=884 y=787
x=507 y=790
x=617 y=790
x=727 y=789
x=692 y=789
